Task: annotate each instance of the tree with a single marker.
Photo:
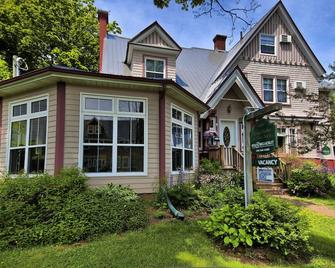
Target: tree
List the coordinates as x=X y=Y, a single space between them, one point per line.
x=50 y=32
x=236 y=11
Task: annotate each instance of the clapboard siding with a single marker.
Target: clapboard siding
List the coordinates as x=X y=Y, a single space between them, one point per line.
x=169 y=101
x=137 y=64
x=51 y=134
x=256 y=70
x=141 y=184
x=285 y=53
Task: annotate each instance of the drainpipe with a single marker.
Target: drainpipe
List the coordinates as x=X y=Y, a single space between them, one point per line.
x=162 y=150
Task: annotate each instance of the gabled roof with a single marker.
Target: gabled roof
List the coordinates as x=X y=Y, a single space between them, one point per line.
x=139 y=40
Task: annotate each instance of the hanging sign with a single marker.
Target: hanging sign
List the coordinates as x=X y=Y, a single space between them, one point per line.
x=263 y=137
x=325 y=150
x=266 y=162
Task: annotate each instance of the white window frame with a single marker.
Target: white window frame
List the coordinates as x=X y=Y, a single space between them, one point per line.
x=115 y=114
x=155 y=59
x=27 y=117
x=275 y=89
x=183 y=124
x=260 y=44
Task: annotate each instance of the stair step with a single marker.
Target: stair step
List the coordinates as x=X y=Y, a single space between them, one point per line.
x=266 y=184
x=279 y=191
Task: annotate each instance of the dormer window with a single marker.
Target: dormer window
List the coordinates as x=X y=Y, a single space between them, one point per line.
x=267 y=44
x=154 y=68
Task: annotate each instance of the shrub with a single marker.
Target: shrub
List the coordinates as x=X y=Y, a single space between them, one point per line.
x=45 y=209
x=308 y=181
x=265 y=222
x=210 y=167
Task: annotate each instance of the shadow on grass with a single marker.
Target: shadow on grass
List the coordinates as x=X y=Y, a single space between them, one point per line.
x=323 y=246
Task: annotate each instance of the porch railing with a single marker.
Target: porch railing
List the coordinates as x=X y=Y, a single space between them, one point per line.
x=229 y=157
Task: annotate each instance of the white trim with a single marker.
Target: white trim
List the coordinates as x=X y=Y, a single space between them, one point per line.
x=183 y=124
x=237 y=145
x=27 y=117
x=275 y=45
x=155 y=59
x=115 y=114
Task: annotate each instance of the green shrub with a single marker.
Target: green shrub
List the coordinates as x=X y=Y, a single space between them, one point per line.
x=265 y=222
x=45 y=209
x=210 y=167
x=308 y=181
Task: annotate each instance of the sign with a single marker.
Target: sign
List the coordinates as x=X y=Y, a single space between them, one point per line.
x=325 y=150
x=263 y=137
x=266 y=162
x=265 y=174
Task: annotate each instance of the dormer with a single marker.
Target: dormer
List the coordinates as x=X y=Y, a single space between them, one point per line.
x=152 y=53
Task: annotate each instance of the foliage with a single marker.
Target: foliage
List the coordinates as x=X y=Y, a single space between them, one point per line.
x=45 y=32
x=308 y=181
x=4 y=69
x=210 y=167
x=46 y=209
x=265 y=222
x=159 y=214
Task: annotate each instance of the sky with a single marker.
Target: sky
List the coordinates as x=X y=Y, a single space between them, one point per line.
x=314 y=18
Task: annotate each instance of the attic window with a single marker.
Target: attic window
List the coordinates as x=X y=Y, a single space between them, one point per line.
x=267 y=44
x=154 y=68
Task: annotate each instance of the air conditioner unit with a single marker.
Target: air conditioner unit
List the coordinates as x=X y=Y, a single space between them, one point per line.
x=284 y=38
x=300 y=85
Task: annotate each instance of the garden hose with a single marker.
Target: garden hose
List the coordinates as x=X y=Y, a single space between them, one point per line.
x=176 y=213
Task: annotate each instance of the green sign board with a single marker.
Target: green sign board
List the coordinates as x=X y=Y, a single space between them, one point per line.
x=325 y=150
x=263 y=137
x=266 y=162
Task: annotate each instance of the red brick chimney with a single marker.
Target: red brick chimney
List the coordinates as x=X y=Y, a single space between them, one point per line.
x=220 y=42
x=103 y=21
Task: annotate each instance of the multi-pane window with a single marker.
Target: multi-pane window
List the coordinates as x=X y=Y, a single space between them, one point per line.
x=182 y=140
x=267 y=44
x=28 y=128
x=154 y=68
x=113 y=135
x=275 y=90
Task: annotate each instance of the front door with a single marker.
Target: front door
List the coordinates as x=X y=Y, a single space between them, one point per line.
x=228 y=133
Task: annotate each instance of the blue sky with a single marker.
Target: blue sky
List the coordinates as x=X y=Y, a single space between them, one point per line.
x=315 y=19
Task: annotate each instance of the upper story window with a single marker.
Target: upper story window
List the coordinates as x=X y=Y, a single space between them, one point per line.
x=267 y=44
x=275 y=90
x=113 y=138
x=28 y=136
x=154 y=68
x=182 y=140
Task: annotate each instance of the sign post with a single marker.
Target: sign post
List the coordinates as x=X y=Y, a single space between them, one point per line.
x=248 y=117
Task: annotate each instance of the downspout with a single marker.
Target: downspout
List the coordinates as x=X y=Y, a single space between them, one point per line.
x=162 y=145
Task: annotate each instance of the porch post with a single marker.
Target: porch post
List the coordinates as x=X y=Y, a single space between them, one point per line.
x=162 y=136
x=60 y=127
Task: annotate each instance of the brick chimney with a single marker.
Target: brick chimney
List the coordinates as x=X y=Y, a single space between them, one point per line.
x=220 y=42
x=103 y=21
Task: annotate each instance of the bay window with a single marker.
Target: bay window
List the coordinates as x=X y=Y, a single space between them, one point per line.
x=182 y=140
x=28 y=136
x=113 y=136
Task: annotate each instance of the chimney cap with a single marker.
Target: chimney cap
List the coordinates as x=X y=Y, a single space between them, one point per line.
x=220 y=37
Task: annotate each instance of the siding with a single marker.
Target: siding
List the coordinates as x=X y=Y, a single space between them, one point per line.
x=285 y=54
x=154 y=39
x=137 y=64
x=256 y=70
x=51 y=134
x=141 y=184
x=168 y=152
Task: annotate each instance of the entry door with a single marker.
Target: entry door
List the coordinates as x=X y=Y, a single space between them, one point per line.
x=228 y=133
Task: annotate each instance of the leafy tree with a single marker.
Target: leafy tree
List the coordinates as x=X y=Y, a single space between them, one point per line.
x=48 y=32
x=237 y=11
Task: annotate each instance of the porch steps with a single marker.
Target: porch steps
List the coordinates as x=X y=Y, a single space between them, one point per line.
x=274 y=188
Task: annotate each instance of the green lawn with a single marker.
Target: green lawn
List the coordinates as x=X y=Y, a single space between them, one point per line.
x=327 y=201
x=167 y=244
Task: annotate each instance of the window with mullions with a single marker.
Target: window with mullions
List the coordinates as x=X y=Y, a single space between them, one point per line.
x=275 y=90
x=154 y=68
x=182 y=140
x=113 y=135
x=28 y=128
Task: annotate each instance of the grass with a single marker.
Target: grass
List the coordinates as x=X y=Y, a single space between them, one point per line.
x=328 y=201
x=167 y=244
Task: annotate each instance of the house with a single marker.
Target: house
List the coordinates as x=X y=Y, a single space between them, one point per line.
x=155 y=108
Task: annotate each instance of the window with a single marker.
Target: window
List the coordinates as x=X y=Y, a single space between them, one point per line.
x=113 y=141
x=154 y=68
x=275 y=90
x=182 y=140
x=267 y=44
x=28 y=129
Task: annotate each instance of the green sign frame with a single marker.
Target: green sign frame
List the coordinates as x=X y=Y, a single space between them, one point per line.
x=263 y=137
x=325 y=150
x=266 y=162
